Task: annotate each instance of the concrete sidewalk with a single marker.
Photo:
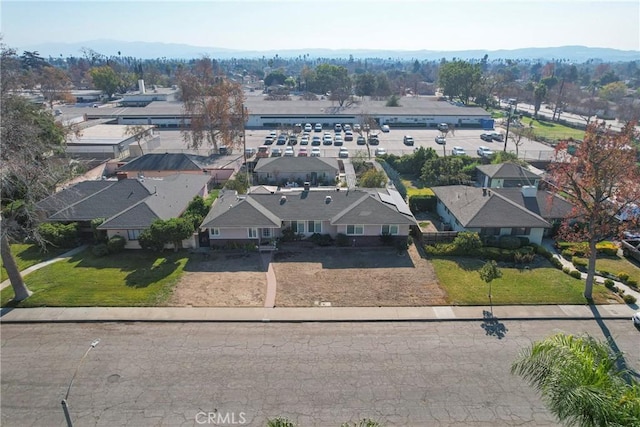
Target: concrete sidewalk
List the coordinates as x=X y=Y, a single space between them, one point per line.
x=313 y=314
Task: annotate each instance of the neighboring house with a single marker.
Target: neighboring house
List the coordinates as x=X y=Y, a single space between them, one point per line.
x=159 y=165
x=128 y=206
x=504 y=175
x=260 y=216
x=523 y=212
x=282 y=170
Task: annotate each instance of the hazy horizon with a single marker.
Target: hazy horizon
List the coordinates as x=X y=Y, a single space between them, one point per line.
x=435 y=25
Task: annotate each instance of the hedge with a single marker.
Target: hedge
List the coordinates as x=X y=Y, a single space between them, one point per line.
x=422 y=203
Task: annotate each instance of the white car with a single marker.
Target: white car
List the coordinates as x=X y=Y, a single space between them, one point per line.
x=318 y=127
x=484 y=151
x=288 y=152
x=315 y=152
x=380 y=151
x=308 y=127
x=344 y=153
x=636 y=319
x=441 y=140
x=458 y=151
x=356 y=127
x=385 y=128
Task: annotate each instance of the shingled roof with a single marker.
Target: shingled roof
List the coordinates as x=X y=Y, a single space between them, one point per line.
x=167 y=162
x=506 y=170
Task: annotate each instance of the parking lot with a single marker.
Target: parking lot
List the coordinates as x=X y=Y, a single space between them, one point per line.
x=468 y=139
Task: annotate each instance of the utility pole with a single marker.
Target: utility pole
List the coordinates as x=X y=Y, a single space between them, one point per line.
x=244 y=141
x=506 y=136
x=65 y=406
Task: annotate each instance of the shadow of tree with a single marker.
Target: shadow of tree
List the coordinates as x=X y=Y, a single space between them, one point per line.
x=621 y=363
x=492 y=326
x=145 y=276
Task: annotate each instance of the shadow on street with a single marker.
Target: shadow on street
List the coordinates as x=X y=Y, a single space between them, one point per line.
x=492 y=326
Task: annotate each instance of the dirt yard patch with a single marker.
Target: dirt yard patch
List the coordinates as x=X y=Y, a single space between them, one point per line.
x=221 y=280
x=348 y=277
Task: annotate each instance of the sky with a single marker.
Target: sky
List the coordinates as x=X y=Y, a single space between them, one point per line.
x=439 y=25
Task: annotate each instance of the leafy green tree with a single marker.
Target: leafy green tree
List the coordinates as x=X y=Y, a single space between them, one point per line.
x=275 y=78
x=365 y=84
x=539 y=94
x=393 y=101
x=373 y=179
x=613 y=92
x=105 y=79
x=240 y=183
x=467 y=242
x=161 y=232
x=460 y=79
x=445 y=171
x=580 y=382
x=490 y=271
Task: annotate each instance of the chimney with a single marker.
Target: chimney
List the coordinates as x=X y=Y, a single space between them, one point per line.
x=283 y=199
x=484 y=191
x=327 y=199
x=141 y=86
x=529 y=191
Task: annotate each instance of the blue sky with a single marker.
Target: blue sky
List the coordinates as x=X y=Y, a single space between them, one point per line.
x=349 y=24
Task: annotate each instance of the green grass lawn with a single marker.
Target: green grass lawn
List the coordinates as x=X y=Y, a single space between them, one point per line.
x=553 y=131
x=131 y=278
x=416 y=188
x=27 y=255
x=542 y=285
x=615 y=265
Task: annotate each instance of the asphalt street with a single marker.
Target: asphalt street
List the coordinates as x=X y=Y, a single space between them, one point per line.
x=316 y=374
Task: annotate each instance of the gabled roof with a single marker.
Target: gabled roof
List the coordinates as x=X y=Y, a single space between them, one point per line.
x=477 y=208
x=167 y=162
x=545 y=204
x=507 y=171
x=71 y=195
x=339 y=207
x=286 y=165
x=130 y=203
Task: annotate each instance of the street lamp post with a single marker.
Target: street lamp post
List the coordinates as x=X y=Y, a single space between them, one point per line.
x=65 y=405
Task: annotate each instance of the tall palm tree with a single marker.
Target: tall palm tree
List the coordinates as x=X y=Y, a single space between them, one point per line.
x=579 y=381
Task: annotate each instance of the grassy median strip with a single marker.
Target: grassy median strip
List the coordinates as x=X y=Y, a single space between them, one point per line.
x=130 y=278
x=540 y=285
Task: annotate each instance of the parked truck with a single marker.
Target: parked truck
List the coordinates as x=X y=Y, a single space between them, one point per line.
x=631 y=248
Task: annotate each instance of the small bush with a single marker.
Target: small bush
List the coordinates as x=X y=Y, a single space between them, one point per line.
x=542 y=251
x=623 y=277
x=629 y=299
x=386 y=239
x=633 y=283
x=100 y=250
x=59 y=235
x=116 y=244
x=607 y=248
x=509 y=242
x=467 y=242
x=523 y=257
x=524 y=241
x=567 y=254
x=609 y=284
x=576 y=274
x=579 y=263
x=321 y=239
x=555 y=262
x=280 y=422
x=342 y=240
x=566 y=270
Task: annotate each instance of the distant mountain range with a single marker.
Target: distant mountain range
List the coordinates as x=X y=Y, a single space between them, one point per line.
x=147 y=50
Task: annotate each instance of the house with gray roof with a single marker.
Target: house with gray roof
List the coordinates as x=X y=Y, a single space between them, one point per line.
x=282 y=170
x=260 y=216
x=128 y=206
x=522 y=212
x=504 y=175
x=219 y=168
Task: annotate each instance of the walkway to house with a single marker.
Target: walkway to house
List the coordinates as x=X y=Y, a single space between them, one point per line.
x=270 y=298
x=548 y=244
x=35 y=267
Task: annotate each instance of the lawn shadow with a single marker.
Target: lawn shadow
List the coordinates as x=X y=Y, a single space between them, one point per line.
x=145 y=276
x=492 y=326
x=627 y=372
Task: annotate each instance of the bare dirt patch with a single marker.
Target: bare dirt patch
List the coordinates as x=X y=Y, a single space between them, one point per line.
x=349 y=277
x=221 y=280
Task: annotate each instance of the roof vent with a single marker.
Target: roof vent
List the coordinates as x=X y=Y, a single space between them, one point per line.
x=283 y=199
x=327 y=199
x=306 y=185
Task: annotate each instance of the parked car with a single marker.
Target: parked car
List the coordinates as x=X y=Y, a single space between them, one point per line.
x=486 y=136
x=318 y=127
x=337 y=127
x=302 y=152
x=337 y=141
x=282 y=139
x=385 y=128
x=484 y=151
x=327 y=140
x=497 y=136
x=361 y=140
x=315 y=152
x=248 y=152
x=373 y=140
x=288 y=152
x=348 y=135
x=263 y=151
x=408 y=140
x=458 y=151
x=443 y=127
x=316 y=140
x=347 y=127
x=380 y=151
x=297 y=128
x=276 y=152
x=636 y=319
x=356 y=127
x=304 y=140
x=293 y=140
x=273 y=134
x=308 y=127
x=441 y=140
x=268 y=140
x=344 y=153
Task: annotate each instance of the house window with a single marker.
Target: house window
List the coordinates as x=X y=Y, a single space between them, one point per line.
x=314 y=226
x=490 y=231
x=390 y=229
x=133 y=234
x=297 y=226
x=520 y=231
x=253 y=233
x=215 y=231
x=266 y=233
x=353 y=230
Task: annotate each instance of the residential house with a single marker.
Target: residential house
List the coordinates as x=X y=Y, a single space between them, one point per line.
x=522 y=212
x=219 y=168
x=363 y=215
x=504 y=175
x=283 y=170
x=128 y=206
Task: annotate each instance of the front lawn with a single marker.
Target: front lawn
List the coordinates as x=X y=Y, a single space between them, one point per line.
x=541 y=285
x=131 y=278
x=416 y=188
x=553 y=131
x=27 y=255
x=616 y=265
